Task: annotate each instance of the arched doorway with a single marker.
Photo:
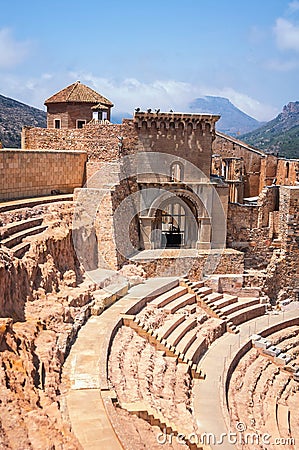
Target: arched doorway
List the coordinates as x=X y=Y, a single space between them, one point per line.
x=176 y=218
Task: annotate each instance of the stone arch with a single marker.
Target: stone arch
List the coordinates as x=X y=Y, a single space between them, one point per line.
x=177 y=171
x=190 y=127
x=177 y=214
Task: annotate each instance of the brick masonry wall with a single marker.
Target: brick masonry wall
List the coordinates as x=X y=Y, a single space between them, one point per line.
x=33 y=173
x=69 y=113
x=193 y=145
x=101 y=142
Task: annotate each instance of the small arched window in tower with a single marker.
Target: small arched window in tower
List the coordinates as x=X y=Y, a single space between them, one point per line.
x=287 y=169
x=176 y=172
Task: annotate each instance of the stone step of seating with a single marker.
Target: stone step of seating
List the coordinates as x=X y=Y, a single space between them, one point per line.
x=168 y=296
x=203 y=291
x=231 y=327
x=31 y=202
x=197 y=284
x=179 y=332
x=226 y=300
x=245 y=314
x=155 y=418
x=240 y=304
x=15 y=227
x=196 y=372
x=269 y=408
x=283 y=419
x=185 y=343
x=193 y=284
x=145 y=412
x=17 y=238
x=196 y=349
x=210 y=299
x=20 y=249
x=180 y=302
x=164 y=331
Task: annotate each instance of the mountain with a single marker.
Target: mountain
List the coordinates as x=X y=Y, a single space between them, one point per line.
x=13 y=116
x=117 y=117
x=233 y=121
x=280 y=135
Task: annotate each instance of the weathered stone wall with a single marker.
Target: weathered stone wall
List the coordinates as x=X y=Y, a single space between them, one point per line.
x=251 y=228
x=188 y=136
x=289 y=235
x=261 y=169
x=287 y=172
x=33 y=173
x=174 y=134
x=268 y=202
x=102 y=223
x=268 y=170
x=228 y=147
x=283 y=271
x=230 y=261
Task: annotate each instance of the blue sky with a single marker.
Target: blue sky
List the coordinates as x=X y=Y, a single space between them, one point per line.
x=158 y=54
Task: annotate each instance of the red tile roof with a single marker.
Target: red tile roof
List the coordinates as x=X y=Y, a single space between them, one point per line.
x=79 y=93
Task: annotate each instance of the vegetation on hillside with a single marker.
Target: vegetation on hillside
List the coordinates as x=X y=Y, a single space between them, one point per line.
x=13 y=116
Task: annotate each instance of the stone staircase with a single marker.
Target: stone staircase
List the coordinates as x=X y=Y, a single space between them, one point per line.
x=151 y=385
x=163 y=341
x=12 y=235
x=232 y=309
x=180 y=335
x=154 y=418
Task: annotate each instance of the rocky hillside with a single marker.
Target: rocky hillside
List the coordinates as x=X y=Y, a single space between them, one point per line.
x=233 y=121
x=280 y=135
x=13 y=116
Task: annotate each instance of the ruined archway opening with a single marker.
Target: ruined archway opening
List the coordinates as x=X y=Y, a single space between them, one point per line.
x=176 y=218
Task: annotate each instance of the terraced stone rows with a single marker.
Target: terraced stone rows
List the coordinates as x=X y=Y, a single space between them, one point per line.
x=139 y=373
x=12 y=235
x=187 y=332
x=27 y=216
x=264 y=397
x=148 y=382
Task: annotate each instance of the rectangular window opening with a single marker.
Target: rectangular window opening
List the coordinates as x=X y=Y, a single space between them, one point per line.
x=81 y=123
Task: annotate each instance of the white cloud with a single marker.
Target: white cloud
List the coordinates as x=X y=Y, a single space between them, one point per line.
x=12 y=52
x=249 y=105
x=293 y=6
x=287 y=35
x=130 y=93
x=169 y=94
x=280 y=65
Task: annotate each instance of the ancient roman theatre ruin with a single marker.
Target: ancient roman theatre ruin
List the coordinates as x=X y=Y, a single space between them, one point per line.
x=149 y=284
